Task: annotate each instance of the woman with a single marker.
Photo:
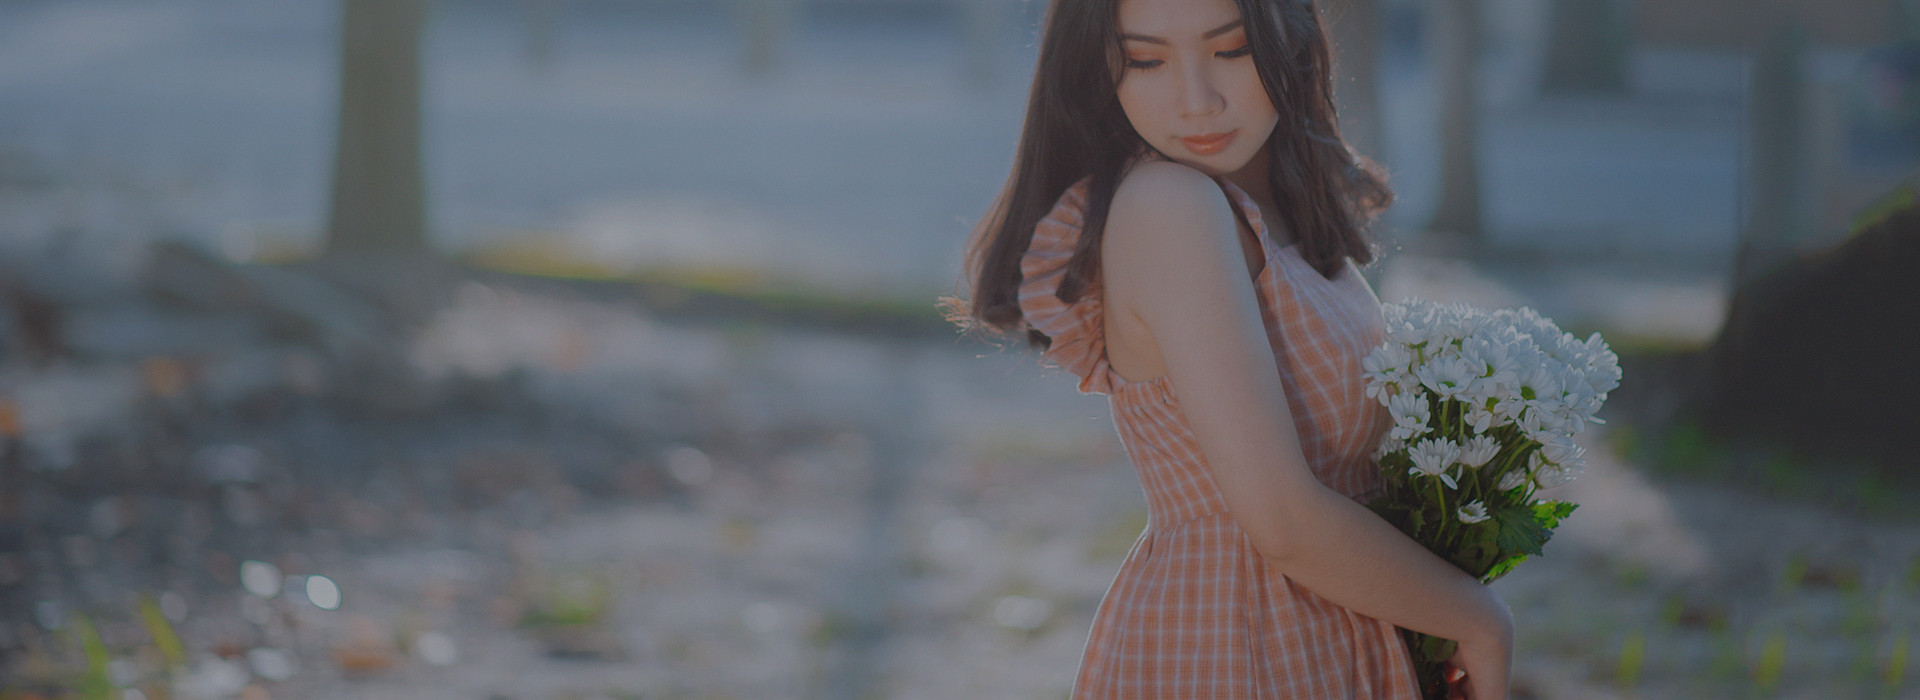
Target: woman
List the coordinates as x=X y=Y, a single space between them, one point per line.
x=1182 y=221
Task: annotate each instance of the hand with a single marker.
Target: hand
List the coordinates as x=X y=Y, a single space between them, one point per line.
x=1481 y=670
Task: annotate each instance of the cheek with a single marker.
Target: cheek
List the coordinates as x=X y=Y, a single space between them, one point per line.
x=1136 y=100
x=1257 y=111
x=1253 y=95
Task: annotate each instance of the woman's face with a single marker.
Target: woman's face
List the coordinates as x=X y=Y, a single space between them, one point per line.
x=1188 y=83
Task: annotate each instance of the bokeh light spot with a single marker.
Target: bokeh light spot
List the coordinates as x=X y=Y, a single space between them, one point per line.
x=324 y=593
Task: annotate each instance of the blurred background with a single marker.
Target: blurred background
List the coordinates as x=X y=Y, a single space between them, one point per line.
x=588 y=348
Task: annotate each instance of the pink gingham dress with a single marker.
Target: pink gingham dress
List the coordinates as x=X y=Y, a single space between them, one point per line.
x=1195 y=611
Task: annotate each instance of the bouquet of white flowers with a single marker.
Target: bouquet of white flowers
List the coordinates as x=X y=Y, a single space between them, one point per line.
x=1485 y=409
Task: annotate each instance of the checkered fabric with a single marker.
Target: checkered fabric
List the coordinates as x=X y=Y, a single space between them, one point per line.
x=1195 y=611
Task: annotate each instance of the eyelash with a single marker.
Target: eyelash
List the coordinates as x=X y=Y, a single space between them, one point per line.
x=1236 y=53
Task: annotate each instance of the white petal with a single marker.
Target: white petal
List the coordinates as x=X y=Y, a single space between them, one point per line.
x=1479 y=450
x=1473 y=512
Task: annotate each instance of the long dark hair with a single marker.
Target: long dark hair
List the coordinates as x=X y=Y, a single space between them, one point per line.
x=1076 y=129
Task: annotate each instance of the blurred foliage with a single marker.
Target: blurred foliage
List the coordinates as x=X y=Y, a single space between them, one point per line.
x=1681 y=447
x=84 y=670
x=164 y=637
x=94 y=682
x=711 y=292
x=1118 y=537
x=1633 y=655
x=1684 y=450
x=1896 y=667
x=1773 y=661
x=572 y=597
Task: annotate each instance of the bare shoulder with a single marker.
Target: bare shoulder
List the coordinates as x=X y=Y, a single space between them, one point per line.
x=1162 y=208
x=1162 y=192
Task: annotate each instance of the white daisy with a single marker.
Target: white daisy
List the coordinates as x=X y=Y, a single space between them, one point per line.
x=1512 y=480
x=1410 y=415
x=1408 y=325
x=1388 y=445
x=1554 y=475
x=1491 y=360
x=1479 y=450
x=1603 y=371
x=1446 y=377
x=1432 y=457
x=1453 y=322
x=1548 y=474
x=1536 y=424
x=1540 y=382
x=1561 y=450
x=1473 y=512
x=1479 y=417
x=1386 y=369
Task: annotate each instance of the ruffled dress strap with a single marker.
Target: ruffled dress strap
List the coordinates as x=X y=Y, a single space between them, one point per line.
x=1249 y=211
x=1077 y=330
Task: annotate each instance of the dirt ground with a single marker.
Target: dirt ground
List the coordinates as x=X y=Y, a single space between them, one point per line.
x=569 y=492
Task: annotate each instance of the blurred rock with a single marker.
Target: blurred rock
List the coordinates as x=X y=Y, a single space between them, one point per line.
x=585 y=642
x=272 y=664
x=436 y=649
x=30 y=323
x=135 y=331
x=228 y=464
x=292 y=303
x=211 y=679
x=367 y=650
x=1818 y=354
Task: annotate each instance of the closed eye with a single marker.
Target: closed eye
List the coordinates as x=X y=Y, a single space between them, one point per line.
x=1236 y=53
x=1143 y=65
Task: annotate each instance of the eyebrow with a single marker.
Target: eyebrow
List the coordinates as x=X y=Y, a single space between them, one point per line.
x=1211 y=33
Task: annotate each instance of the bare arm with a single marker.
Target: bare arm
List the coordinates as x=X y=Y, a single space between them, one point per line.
x=1172 y=258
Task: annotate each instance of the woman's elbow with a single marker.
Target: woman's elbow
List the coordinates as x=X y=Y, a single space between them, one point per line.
x=1291 y=532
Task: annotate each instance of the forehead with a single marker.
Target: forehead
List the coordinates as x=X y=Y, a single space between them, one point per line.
x=1174 y=20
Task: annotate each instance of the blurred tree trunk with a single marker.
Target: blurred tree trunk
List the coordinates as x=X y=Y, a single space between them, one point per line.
x=1456 y=30
x=1817 y=350
x=13 y=515
x=543 y=23
x=765 y=24
x=379 y=201
x=1587 y=44
x=1356 y=35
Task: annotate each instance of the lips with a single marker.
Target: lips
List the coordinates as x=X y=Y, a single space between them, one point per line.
x=1209 y=144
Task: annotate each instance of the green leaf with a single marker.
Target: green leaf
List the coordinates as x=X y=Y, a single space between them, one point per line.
x=95 y=683
x=164 y=637
x=1382 y=507
x=1436 y=648
x=1416 y=524
x=1550 y=513
x=1520 y=531
x=1503 y=567
x=1483 y=547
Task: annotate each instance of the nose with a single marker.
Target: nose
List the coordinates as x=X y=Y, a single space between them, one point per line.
x=1197 y=96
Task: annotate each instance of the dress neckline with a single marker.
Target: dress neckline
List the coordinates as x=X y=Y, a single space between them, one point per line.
x=1250 y=211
